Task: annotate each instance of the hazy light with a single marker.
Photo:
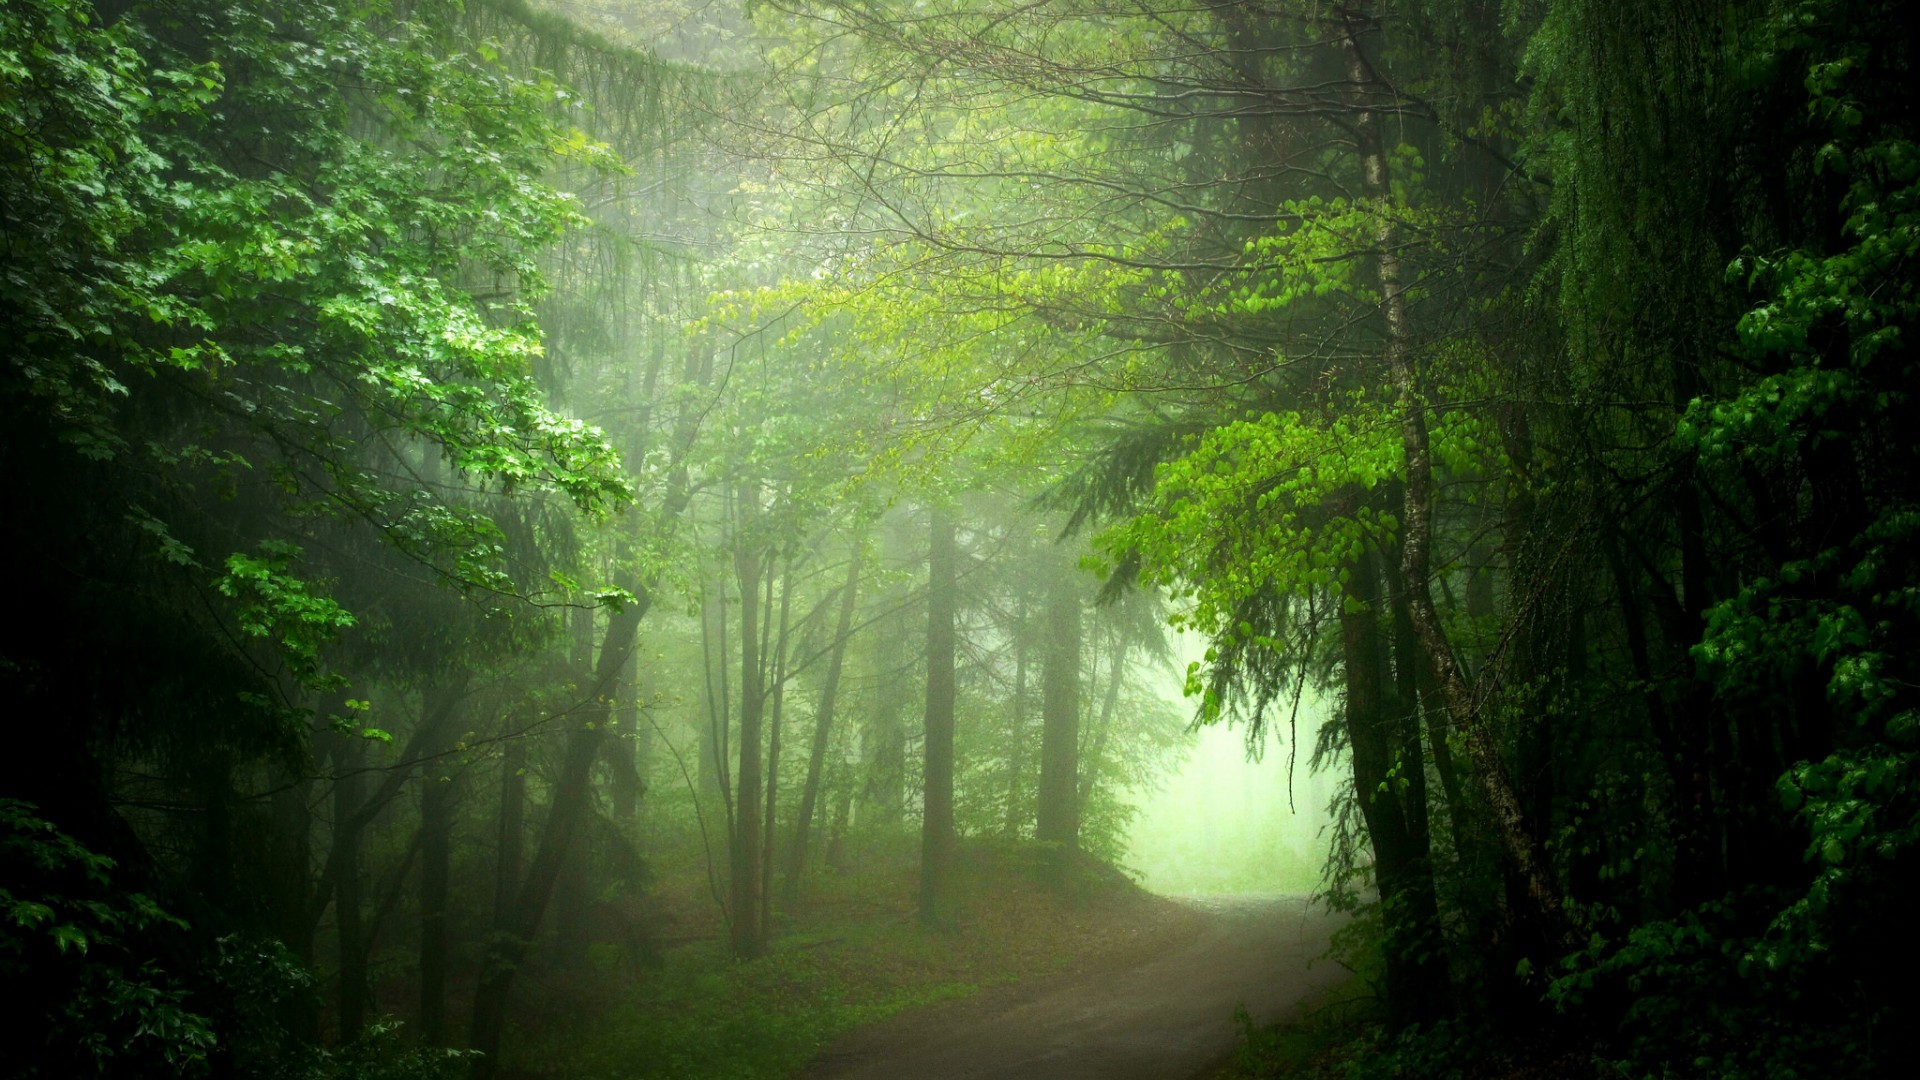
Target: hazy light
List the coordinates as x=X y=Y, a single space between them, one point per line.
x=1221 y=824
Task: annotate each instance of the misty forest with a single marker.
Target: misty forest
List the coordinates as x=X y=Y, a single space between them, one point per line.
x=920 y=539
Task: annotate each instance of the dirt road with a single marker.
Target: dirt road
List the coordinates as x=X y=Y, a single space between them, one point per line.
x=1167 y=1018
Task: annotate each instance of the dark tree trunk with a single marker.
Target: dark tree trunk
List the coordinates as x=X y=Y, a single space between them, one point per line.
x=1522 y=848
x=516 y=925
x=822 y=729
x=574 y=888
x=1416 y=978
x=293 y=870
x=513 y=812
x=936 y=829
x=1058 y=818
x=572 y=894
x=1015 y=816
x=745 y=852
x=1690 y=862
x=439 y=797
x=628 y=747
x=349 y=786
x=293 y=867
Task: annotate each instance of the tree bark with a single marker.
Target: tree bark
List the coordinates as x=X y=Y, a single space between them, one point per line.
x=573 y=889
x=885 y=741
x=1014 y=817
x=429 y=739
x=768 y=833
x=1058 y=817
x=1522 y=849
x=745 y=852
x=513 y=804
x=293 y=866
x=1408 y=665
x=343 y=859
x=712 y=765
x=628 y=782
x=1109 y=705
x=1416 y=978
x=822 y=728
x=516 y=925
x=439 y=796
x=936 y=827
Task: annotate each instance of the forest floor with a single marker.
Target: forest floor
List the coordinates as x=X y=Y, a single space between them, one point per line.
x=852 y=986
x=1168 y=1014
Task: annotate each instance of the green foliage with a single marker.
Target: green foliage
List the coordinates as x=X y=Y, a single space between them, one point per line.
x=271 y=369
x=383 y=1052
x=312 y=304
x=1695 y=1004
x=274 y=604
x=103 y=1003
x=1816 y=640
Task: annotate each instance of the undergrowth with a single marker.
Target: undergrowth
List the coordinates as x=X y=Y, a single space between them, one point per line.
x=852 y=953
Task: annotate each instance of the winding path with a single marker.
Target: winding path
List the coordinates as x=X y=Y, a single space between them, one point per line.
x=1168 y=1017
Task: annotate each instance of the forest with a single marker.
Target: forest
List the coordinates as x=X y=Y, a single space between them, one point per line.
x=668 y=538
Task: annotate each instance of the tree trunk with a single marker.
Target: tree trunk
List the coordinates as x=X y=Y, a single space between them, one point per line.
x=513 y=811
x=293 y=866
x=885 y=740
x=628 y=785
x=1014 y=818
x=1416 y=978
x=768 y=833
x=572 y=894
x=745 y=852
x=1522 y=849
x=349 y=785
x=439 y=796
x=573 y=889
x=822 y=729
x=1058 y=817
x=936 y=828
x=713 y=697
x=836 y=853
x=1407 y=668
x=516 y=925
x=1109 y=705
x=429 y=739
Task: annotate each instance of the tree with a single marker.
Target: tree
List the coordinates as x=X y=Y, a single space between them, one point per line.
x=823 y=724
x=936 y=824
x=1059 y=803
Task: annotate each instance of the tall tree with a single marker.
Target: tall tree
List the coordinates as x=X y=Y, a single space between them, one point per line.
x=1058 y=819
x=937 y=841
x=749 y=567
x=823 y=723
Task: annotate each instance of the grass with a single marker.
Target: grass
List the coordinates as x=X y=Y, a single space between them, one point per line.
x=1314 y=1042
x=850 y=954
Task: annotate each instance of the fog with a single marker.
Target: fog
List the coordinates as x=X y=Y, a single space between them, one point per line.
x=1224 y=822
x=630 y=539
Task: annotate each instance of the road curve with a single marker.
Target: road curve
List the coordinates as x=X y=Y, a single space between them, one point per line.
x=1169 y=1017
